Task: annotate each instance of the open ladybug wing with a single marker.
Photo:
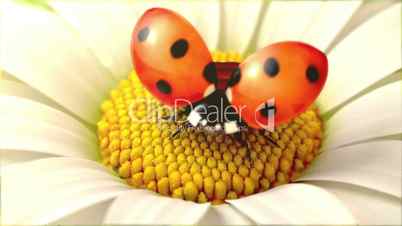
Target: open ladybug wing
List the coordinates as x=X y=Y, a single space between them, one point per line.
x=170 y=57
x=284 y=78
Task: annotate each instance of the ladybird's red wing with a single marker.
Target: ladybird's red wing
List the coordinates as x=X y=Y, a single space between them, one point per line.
x=293 y=73
x=170 y=57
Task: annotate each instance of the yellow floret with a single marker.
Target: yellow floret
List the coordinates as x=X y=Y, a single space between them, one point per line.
x=237 y=183
x=265 y=184
x=215 y=174
x=249 y=186
x=232 y=167
x=198 y=180
x=114 y=144
x=114 y=158
x=285 y=165
x=174 y=180
x=186 y=177
x=173 y=166
x=178 y=193
x=232 y=195
x=243 y=171
x=152 y=186
x=149 y=174
x=104 y=143
x=161 y=170
x=202 y=198
x=137 y=179
x=269 y=172
x=209 y=184
x=195 y=168
x=163 y=186
x=190 y=191
x=124 y=156
x=211 y=163
x=227 y=178
x=124 y=170
x=220 y=190
x=206 y=172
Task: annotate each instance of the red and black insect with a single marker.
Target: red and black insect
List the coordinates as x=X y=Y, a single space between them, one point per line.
x=173 y=62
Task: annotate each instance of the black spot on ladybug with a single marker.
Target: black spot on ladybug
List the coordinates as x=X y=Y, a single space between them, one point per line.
x=210 y=73
x=271 y=67
x=235 y=77
x=143 y=34
x=312 y=74
x=163 y=87
x=265 y=110
x=179 y=48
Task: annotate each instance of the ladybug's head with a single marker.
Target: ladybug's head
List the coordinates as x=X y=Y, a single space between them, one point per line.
x=215 y=111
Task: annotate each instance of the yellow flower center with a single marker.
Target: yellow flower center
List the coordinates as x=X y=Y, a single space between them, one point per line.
x=197 y=165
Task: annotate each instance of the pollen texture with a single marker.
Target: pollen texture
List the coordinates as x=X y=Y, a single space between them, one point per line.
x=198 y=165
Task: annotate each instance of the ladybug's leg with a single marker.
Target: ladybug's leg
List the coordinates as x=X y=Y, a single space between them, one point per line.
x=233 y=124
x=181 y=127
x=271 y=141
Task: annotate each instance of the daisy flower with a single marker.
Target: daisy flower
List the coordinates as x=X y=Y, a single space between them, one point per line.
x=69 y=152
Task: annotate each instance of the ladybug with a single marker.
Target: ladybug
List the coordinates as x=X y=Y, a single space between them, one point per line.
x=269 y=87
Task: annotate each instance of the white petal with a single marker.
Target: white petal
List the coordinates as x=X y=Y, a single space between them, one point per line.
x=145 y=207
x=37 y=112
x=375 y=165
x=364 y=12
x=41 y=50
x=31 y=126
x=22 y=135
x=367 y=206
x=287 y=21
x=92 y=215
x=294 y=204
x=377 y=114
x=209 y=28
x=44 y=191
x=107 y=26
x=324 y=27
x=6 y=76
x=239 y=24
x=371 y=59
x=225 y=215
x=203 y=15
x=13 y=157
x=19 y=89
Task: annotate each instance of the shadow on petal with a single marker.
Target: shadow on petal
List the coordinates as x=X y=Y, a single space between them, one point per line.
x=139 y=206
x=294 y=204
x=374 y=115
x=58 y=187
x=371 y=60
x=374 y=165
x=370 y=207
